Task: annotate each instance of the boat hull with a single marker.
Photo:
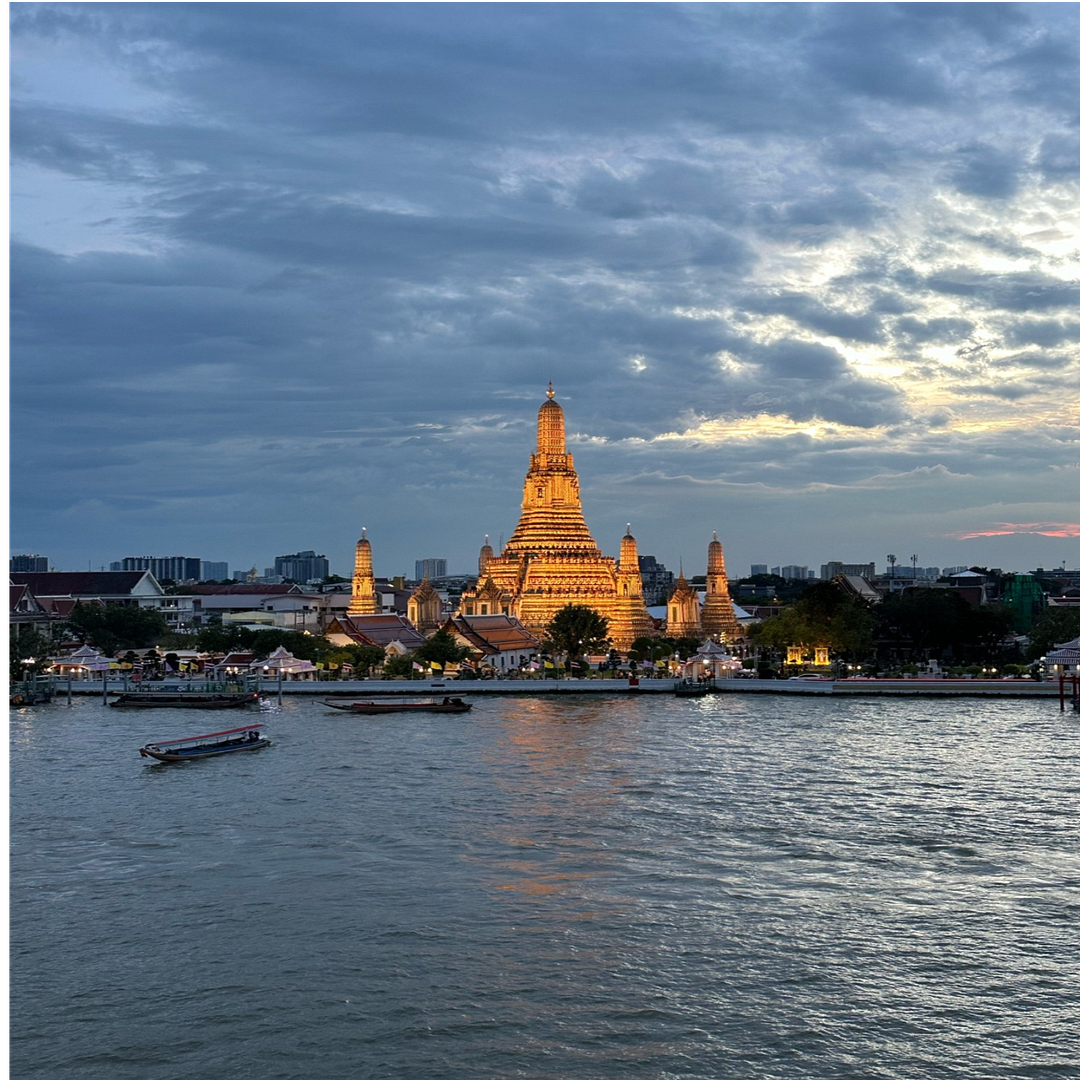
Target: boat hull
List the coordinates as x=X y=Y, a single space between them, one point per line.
x=371 y=708
x=183 y=701
x=199 y=746
x=196 y=753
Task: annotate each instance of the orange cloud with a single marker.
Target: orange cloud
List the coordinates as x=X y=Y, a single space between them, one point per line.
x=1005 y=528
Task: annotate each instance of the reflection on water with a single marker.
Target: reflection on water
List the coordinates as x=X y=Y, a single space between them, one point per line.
x=618 y=887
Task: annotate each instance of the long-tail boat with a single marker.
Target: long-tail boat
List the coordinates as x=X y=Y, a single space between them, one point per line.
x=233 y=741
x=447 y=705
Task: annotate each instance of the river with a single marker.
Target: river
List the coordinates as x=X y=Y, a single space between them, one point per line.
x=623 y=887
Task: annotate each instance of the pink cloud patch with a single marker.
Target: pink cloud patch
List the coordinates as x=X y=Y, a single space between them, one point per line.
x=1006 y=528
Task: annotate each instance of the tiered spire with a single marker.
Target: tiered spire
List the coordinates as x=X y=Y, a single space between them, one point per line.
x=718 y=620
x=364 y=600
x=552 y=519
x=551 y=559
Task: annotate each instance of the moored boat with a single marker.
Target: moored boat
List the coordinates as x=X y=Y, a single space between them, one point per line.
x=249 y=737
x=447 y=705
x=183 y=699
x=691 y=689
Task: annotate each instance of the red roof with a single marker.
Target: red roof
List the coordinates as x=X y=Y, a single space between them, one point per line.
x=379 y=630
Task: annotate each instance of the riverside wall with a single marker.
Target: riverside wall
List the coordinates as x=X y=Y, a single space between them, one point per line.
x=366 y=688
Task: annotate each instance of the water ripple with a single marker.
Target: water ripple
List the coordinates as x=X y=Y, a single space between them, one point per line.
x=746 y=888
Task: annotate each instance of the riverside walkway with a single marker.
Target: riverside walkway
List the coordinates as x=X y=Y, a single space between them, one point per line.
x=365 y=688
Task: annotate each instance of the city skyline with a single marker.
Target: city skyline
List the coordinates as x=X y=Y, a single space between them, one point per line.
x=804 y=277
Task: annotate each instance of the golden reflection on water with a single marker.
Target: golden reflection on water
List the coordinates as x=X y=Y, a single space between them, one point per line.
x=552 y=769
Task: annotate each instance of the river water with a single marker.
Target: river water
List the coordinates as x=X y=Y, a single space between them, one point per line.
x=742 y=886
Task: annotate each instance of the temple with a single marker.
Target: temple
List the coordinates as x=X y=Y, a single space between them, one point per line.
x=552 y=560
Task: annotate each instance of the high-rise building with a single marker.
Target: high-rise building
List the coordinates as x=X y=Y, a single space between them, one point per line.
x=29 y=564
x=657 y=580
x=176 y=568
x=132 y=562
x=214 y=571
x=171 y=567
x=304 y=566
x=758 y=568
x=794 y=573
x=551 y=560
x=430 y=568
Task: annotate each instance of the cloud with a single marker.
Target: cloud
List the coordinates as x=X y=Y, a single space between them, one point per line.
x=1002 y=528
x=774 y=252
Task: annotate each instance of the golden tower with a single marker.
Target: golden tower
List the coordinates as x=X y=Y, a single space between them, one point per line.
x=551 y=560
x=718 y=620
x=631 y=615
x=364 y=601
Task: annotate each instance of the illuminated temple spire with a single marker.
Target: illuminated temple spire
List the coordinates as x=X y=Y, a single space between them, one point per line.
x=551 y=559
x=487 y=553
x=364 y=601
x=632 y=620
x=551 y=515
x=718 y=619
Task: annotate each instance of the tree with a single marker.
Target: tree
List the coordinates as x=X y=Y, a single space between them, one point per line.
x=28 y=654
x=442 y=648
x=651 y=649
x=939 y=622
x=824 y=616
x=685 y=647
x=577 y=630
x=364 y=658
x=117 y=626
x=1053 y=627
x=399 y=667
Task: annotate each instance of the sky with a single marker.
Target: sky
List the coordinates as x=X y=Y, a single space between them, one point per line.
x=804 y=276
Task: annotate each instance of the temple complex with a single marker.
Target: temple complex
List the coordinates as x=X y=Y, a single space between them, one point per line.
x=552 y=560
